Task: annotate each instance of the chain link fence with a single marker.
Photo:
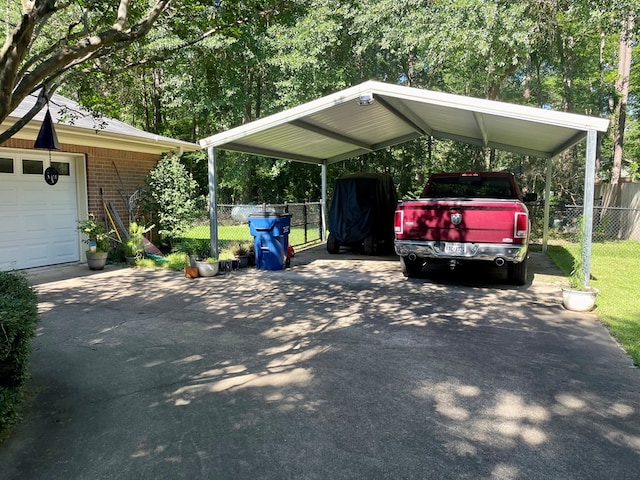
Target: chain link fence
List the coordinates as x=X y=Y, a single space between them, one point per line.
x=610 y=224
x=233 y=226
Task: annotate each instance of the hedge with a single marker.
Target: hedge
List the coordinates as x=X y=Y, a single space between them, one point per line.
x=18 y=320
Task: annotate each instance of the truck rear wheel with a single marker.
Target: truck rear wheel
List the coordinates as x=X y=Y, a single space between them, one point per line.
x=368 y=245
x=411 y=268
x=332 y=244
x=517 y=273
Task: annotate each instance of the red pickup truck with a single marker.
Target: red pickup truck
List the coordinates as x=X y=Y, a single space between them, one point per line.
x=465 y=216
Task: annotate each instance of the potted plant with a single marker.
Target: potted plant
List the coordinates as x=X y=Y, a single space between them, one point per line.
x=577 y=296
x=241 y=252
x=134 y=246
x=98 y=241
x=196 y=249
x=226 y=260
x=208 y=267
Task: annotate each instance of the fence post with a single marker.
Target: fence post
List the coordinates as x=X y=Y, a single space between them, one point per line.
x=320 y=222
x=304 y=219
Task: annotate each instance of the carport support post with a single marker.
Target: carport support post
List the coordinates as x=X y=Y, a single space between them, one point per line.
x=547 y=203
x=323 y=201
x=587 y=225
x=213 y=201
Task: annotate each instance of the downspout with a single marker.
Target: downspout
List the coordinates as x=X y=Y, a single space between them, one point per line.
x=547 y=203
x=589 y=187
x=323 y=201
x=213 y=202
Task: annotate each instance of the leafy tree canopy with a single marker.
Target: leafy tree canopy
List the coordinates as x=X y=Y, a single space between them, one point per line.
x=189 y=68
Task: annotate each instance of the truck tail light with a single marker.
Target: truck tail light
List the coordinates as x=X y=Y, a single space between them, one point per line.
x=398 y=222
x=521 y=225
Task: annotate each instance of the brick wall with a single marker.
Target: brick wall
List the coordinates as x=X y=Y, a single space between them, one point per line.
x=113 y=176
x=103 y=166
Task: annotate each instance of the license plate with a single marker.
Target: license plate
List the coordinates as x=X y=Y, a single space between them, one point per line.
x=454 y=248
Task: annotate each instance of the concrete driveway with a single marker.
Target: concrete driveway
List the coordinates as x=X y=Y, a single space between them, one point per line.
x=338 y=368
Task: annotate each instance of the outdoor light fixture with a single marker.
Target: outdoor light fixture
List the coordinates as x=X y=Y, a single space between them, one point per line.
x=365 y=99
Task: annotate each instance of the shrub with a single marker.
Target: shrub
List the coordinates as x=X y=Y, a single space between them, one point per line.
x=170 y=196
x=177 y=261
x=200 y=247
x=18 y=319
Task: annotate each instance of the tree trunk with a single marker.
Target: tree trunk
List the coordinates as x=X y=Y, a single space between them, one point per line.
x=622 y=91
x=157 y=102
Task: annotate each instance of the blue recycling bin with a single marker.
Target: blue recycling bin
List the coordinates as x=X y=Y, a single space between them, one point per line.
x=271 y=239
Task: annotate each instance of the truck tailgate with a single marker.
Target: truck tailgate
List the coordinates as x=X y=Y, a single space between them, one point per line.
x=482 y=221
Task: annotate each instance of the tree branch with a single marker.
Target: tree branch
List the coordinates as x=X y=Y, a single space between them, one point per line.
x=88 y=48
x=169 y=51
x=26 y=118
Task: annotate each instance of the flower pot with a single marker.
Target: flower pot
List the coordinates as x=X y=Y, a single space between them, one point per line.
x=130 y=260
x=243 y=261
x=191 y=272
x=97 y=260
x=207 y=269
x=579 y=300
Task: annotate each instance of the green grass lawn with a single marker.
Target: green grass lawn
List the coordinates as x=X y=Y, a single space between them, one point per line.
x=615 y=273
x=229 y=234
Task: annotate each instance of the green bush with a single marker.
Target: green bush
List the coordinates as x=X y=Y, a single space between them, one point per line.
x=170 y=197
x=18 y=319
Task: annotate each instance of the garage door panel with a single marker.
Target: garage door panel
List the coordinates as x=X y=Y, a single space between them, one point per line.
x=65 y=251
x=60 y=199
x=38 y=222
x=36 y=252
x=35 y=224
x=34 y=197
x=10 y=256
x=8 y=196
x=10 y=227
x=63 y=231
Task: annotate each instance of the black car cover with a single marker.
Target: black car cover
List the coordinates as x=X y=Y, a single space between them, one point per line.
x=362 y=205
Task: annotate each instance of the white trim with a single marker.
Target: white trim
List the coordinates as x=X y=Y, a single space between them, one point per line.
x=83 y=137
x=82 y=199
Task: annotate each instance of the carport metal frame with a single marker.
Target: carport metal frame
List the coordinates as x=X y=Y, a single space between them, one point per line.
x=374 y=115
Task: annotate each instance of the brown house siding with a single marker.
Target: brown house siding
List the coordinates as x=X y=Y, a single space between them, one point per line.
x=103 y=166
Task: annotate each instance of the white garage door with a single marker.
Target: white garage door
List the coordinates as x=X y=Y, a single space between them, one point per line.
x=37 y=221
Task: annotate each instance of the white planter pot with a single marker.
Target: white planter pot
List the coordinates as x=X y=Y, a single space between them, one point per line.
x=208 y=269
x=579 y=300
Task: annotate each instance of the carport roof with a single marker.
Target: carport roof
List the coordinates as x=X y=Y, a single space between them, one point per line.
x=374 y=115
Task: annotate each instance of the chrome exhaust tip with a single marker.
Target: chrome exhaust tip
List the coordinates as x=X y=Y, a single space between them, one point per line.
x=499 y=261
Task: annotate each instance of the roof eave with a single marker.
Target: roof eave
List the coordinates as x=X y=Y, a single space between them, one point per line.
x=71 y=135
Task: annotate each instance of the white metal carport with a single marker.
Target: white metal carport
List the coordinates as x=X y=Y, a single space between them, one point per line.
x=375 y=115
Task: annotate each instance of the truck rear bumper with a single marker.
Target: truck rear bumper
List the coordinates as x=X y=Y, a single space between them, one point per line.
x=461 y=251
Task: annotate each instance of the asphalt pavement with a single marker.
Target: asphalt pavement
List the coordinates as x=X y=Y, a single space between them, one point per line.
x=336 y=368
